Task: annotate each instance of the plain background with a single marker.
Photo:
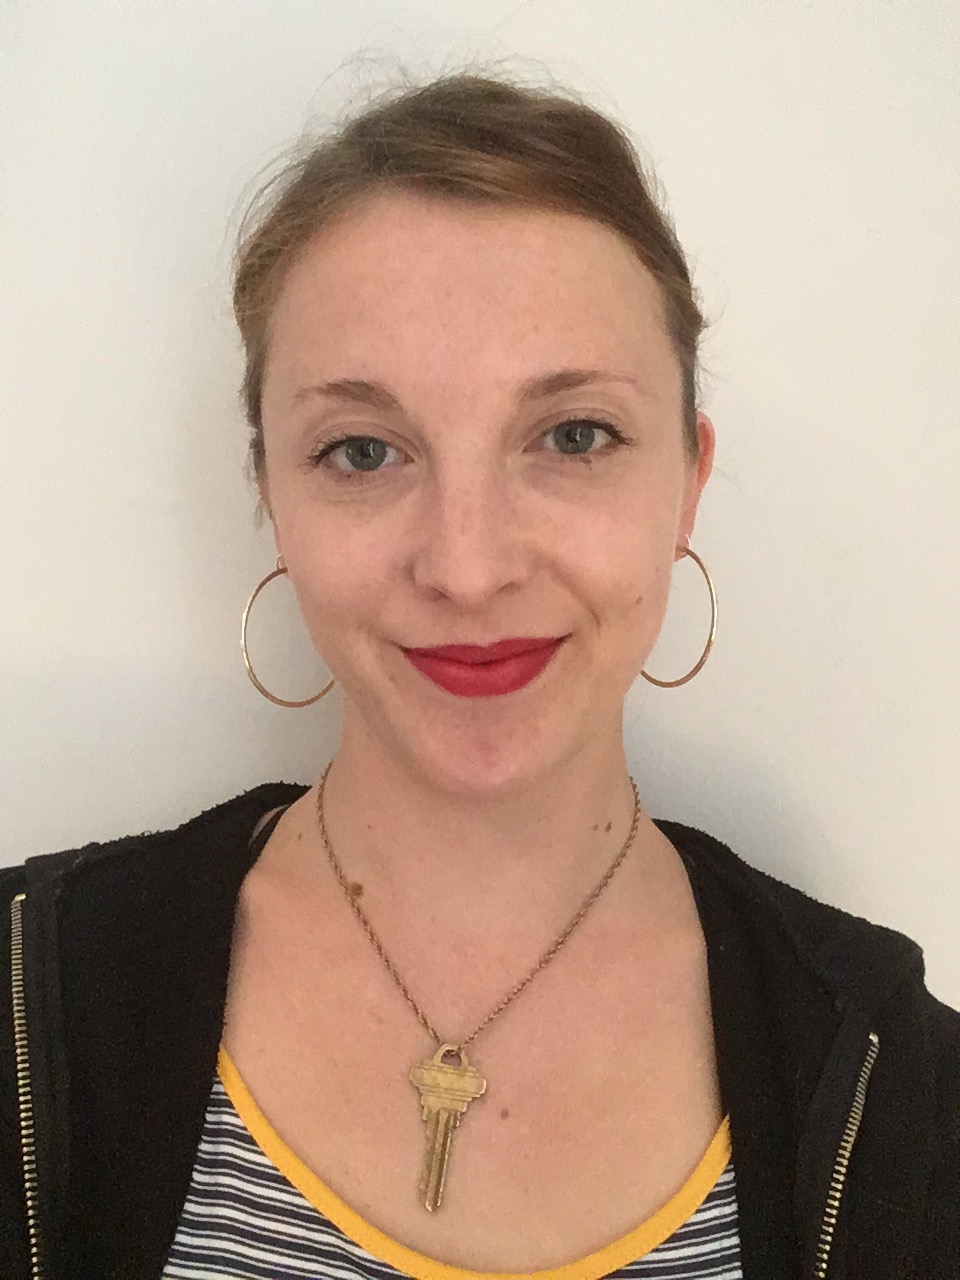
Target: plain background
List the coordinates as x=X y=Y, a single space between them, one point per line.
x=807 y=150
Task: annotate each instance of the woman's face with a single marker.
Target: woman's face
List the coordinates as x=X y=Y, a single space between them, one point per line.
x=520 y=471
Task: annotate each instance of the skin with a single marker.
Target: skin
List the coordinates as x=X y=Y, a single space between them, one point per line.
x=474 y=828
x=476 y=526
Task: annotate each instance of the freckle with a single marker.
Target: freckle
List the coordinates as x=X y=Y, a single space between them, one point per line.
x=596 y=826
x=356 y=889
x=299 y=835
x=608 y=826
x=504 y=1113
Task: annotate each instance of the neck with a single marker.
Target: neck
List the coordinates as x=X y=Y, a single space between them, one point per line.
x=477 y=857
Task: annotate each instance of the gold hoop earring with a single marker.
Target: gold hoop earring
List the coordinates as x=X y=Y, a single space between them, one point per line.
x=672 y=684
x=280 y=570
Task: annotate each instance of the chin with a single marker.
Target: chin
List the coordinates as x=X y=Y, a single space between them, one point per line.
x=491 y=761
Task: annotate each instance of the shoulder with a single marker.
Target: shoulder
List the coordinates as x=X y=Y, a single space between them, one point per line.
x=801 y=914
x=207 y=844
x=860 y=962
x=819 y=965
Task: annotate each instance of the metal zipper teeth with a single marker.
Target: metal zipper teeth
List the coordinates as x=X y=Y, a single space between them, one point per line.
x=838 y=1180
x=28 y=1150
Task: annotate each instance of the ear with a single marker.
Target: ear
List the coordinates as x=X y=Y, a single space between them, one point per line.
x=264 y=509
x=698 y=474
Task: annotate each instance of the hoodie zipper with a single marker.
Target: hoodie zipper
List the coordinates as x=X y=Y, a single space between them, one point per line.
x=838 y=1179
x=28 y=1149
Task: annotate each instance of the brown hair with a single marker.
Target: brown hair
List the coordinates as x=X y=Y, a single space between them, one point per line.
x=467 y=137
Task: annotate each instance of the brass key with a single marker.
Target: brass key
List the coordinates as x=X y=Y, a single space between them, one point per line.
x=445 y=1093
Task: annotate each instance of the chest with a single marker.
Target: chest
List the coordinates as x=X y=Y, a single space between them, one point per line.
x=600 y=1098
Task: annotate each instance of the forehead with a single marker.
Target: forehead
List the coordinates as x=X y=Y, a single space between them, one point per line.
x=418 y=285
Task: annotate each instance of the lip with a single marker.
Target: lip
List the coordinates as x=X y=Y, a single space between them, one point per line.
x=484 y=679
x=474 y=653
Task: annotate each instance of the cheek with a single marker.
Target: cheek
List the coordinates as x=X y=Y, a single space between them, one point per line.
x=650 y=606
x=627 y=550
x=329 y=578
x=646 y=596
x=624 y=574
x=332 y=591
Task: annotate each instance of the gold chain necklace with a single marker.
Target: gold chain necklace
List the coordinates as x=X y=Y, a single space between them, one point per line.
x=447 y=1088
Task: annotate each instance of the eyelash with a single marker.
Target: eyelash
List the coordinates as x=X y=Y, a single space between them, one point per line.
x=331 y=445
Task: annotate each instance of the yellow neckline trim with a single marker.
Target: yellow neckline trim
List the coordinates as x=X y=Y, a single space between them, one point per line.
x=628 y=1248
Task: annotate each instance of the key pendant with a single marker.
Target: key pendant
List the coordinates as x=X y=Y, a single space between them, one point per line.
x=445 y=1093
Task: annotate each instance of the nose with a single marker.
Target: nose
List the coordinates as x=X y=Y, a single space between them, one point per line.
x=472 y=540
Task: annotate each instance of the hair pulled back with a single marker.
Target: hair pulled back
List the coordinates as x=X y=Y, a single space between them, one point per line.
x=473 y=138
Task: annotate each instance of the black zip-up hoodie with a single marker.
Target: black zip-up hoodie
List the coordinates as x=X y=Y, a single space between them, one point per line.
x=840 y=1072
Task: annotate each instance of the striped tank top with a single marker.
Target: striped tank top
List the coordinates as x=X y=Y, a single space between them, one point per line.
x=254 y=1211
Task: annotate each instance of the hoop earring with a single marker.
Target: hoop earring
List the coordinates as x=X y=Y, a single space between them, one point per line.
x=672 y=684
x=280 y=702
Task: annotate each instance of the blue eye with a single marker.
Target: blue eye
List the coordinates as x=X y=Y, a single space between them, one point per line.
x=582 y=433
x=365 y=454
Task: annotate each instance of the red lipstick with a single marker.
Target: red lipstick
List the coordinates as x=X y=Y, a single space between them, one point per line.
x=484 y=671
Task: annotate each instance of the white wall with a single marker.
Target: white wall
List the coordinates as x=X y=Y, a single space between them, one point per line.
x=808 y=151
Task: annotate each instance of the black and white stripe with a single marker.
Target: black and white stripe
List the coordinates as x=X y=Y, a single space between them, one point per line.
x=244 y=1220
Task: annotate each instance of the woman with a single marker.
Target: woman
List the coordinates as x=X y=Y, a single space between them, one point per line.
x=463 y=1007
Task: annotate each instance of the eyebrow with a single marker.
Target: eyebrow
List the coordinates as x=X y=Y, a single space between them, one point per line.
x=375 y=394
